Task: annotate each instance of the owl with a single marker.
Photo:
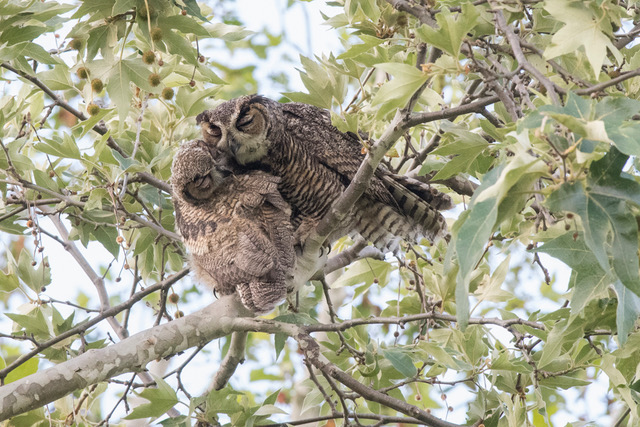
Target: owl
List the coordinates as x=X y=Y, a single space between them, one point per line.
x=236 y=226
x=316 y=162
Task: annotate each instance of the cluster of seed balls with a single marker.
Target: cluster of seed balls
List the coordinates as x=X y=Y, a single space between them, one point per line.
x=148 y=57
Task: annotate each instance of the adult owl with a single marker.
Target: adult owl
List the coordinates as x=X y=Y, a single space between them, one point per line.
x=236 y=226
x=316 y=162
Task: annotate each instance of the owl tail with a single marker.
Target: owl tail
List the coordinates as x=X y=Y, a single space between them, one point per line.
x=261 y=297
x=414 y=214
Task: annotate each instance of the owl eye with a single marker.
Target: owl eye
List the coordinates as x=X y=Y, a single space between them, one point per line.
x=214 y=131
x=244 y=120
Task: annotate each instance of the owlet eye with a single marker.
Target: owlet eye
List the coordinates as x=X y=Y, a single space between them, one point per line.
x=214 y=131
x=245 y=120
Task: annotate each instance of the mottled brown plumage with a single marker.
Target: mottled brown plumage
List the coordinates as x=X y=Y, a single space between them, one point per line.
x=316 y=163
x=236 y=226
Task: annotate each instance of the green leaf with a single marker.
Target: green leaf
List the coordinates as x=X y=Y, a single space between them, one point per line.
x=628 y=311
x=582 y=30
x=401 y=361
x=193 y=9
x=160 y=399
x=29 y=367
x=223 y=401
x=589 y=279
x=8 y=282
x=364 y=271
x=34 y=278
x=610 y=228
x=451 y=30
x=505 y=362
x=473 y=230
x=33 y=323
x=466 y=147
x=64 y=147
x=396 y=93
x=26 y=50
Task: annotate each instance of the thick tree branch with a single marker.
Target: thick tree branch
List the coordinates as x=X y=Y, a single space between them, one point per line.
x=83 y=327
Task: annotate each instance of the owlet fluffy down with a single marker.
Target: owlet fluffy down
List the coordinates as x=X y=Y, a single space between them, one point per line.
x=236 y=226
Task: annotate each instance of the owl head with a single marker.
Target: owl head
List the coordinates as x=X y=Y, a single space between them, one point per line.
x=240 y=127
x=198 y=170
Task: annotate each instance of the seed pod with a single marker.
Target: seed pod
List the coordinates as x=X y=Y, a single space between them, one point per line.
x=93 y=109
x=167 y=93
x=83 y=72
x=156 y=34
x=154 y=79
x=97 y=85
x=149 y=57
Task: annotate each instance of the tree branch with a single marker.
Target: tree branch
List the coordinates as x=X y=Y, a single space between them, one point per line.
x=233 y=358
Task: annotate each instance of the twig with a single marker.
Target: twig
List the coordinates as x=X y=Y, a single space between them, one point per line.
x=233 y=358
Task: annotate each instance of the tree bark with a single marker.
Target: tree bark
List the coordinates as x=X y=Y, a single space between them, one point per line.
x=129 y=355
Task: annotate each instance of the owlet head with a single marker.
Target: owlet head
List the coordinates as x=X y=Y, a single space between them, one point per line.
x=195 y=174
x=239 y=127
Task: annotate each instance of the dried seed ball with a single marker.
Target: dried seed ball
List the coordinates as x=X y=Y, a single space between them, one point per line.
x=149 y=57
x=30 y=223
x=97 y=85
x=33 y=263
x=119 y=239
x=156 y=34
x=174 y=298
x=82 y=72
x=154 y=79
x=93 y=109
x=160 y=62
x=52 y=174
x=183 y=12
x=167 y=93
x=179 y=314
x=192 y=83
x=75 y=44
x=201 y=58
x=144 y=14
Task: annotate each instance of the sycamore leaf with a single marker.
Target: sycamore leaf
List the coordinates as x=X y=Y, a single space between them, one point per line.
x=396 y=92
x=582 y=29
x=628 y=311
x=588 y=278
x=473 y=230
x=610 y=228
x=452 y=28
x=160 y=399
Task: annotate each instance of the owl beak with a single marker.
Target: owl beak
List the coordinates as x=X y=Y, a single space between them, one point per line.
x=234 y=146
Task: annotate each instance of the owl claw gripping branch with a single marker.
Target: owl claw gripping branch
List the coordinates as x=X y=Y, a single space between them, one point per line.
x=265 y=169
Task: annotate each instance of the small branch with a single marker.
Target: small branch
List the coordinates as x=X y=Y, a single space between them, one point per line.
x=233 y=358
x=601 y=86
x=514 y=41
x=83 y=327
x=412 y=8
x=383 y=419
x=358 y=250
x=449 y=113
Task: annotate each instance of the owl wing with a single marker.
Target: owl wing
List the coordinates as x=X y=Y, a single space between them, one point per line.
x=336 y=150
x=263 y=201
x=255 y=254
